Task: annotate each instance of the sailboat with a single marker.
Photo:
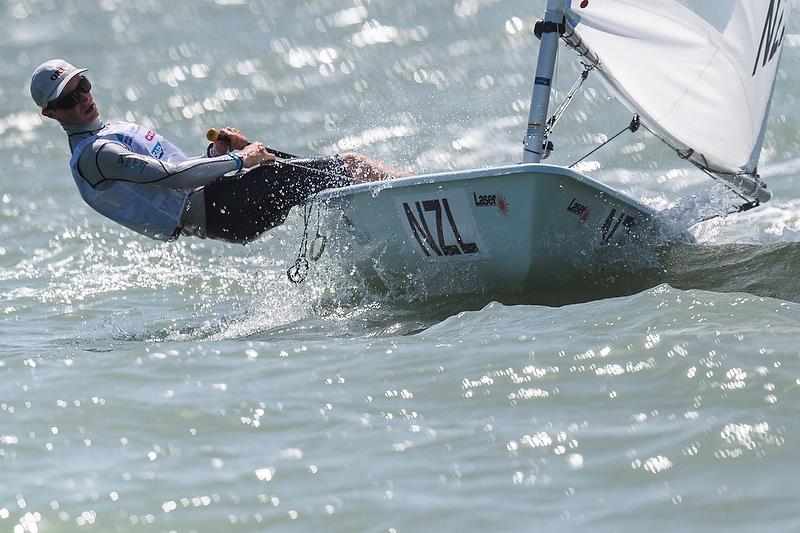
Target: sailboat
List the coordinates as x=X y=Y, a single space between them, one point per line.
x=704 y=90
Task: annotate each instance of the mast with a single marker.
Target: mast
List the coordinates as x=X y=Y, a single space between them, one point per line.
x=540 y=99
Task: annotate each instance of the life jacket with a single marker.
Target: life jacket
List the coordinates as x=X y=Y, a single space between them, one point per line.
x=150 y=209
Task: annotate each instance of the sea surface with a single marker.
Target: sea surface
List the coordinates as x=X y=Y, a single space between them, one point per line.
x=190 y=387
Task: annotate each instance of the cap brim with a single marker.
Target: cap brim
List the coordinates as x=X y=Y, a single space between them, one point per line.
x=64 y=83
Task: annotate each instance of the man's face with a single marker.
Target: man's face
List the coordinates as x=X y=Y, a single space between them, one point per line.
x=84 y=112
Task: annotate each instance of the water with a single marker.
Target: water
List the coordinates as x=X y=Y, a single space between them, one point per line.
x=190 y=387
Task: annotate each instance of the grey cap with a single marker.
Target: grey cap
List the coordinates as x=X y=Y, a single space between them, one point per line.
x=48 y=81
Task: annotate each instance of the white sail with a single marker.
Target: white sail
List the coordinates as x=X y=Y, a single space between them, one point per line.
x=706 y=91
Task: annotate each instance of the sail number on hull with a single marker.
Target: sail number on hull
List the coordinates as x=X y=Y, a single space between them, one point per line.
x=613 y=222
x=440 y=225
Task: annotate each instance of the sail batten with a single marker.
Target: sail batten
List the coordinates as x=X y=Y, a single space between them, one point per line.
x=703 y=91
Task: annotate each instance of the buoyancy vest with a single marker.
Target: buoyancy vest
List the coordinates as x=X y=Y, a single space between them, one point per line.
x=150 y=209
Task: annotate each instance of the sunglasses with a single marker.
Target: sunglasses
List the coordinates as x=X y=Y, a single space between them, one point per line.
x=71 y=99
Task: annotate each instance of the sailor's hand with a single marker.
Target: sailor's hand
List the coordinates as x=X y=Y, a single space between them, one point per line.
x=229 y=139
x=256 y=153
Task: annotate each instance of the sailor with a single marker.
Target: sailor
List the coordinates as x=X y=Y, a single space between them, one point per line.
x=138 y=178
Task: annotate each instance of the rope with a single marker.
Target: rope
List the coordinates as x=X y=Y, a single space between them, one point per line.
x=686 y=154
x=633 y=126
x=298 y=272
x=747 y=206
x=318 y=170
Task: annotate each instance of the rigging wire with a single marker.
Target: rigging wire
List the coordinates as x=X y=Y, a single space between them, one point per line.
x=748 y=203
x=551 y=122
x=746 y=206
x=633 y=126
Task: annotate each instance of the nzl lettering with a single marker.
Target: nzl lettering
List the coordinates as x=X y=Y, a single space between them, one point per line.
x=423 y=235
x=610 y=225
x=771 y=35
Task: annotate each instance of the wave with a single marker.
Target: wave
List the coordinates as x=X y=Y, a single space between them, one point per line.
x=761 y=270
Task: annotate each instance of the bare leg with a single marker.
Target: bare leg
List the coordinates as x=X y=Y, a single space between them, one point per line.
x=364 y=168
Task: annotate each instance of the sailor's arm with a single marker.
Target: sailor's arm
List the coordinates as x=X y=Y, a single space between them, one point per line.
x=109 y=160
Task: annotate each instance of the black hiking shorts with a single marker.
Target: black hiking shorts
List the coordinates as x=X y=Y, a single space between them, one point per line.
x=240 y=209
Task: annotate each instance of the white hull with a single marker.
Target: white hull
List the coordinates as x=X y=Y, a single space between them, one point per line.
x=499 y=230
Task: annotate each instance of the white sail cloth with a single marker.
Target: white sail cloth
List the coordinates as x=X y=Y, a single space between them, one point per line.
x=703 y=90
